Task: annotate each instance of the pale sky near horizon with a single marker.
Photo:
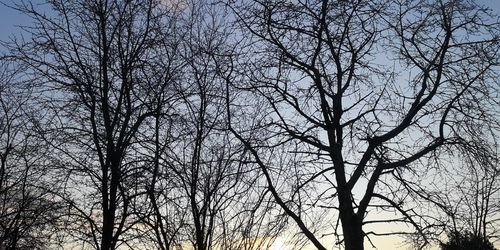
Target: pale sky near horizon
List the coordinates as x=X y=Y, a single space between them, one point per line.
x=10 y=20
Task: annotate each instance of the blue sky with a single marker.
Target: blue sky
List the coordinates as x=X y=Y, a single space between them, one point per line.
x=11 y=19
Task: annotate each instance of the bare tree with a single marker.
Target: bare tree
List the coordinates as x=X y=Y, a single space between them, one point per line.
x=163 y=125
x=469 y=200
x=28 y=210
x=93 y=62
x=202 y=189
x=365 y=99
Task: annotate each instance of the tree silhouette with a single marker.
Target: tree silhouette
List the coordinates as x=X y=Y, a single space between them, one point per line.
x=92 y=61
x=153 y=124
x=466 y=240
x=29 y=211
x=368 y=97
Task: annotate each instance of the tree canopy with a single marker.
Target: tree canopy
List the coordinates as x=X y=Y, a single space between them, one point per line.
x=190 y=124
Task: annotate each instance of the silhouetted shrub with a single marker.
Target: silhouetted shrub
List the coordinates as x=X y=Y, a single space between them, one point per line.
x=466 y=241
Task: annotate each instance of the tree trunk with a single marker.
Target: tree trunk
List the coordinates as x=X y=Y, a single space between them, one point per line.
x=351 y=222
x=107 y=231
x=109 y=213
x=353 y=233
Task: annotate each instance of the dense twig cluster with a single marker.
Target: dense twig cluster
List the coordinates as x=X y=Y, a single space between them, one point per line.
x=148 y=124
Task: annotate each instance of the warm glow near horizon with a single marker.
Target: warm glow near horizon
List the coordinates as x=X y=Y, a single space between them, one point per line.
x=141 y=178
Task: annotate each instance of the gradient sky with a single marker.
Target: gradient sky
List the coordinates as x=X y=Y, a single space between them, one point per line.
x=11 y=20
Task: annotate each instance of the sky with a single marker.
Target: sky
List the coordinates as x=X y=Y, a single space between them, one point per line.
x=11 y=20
